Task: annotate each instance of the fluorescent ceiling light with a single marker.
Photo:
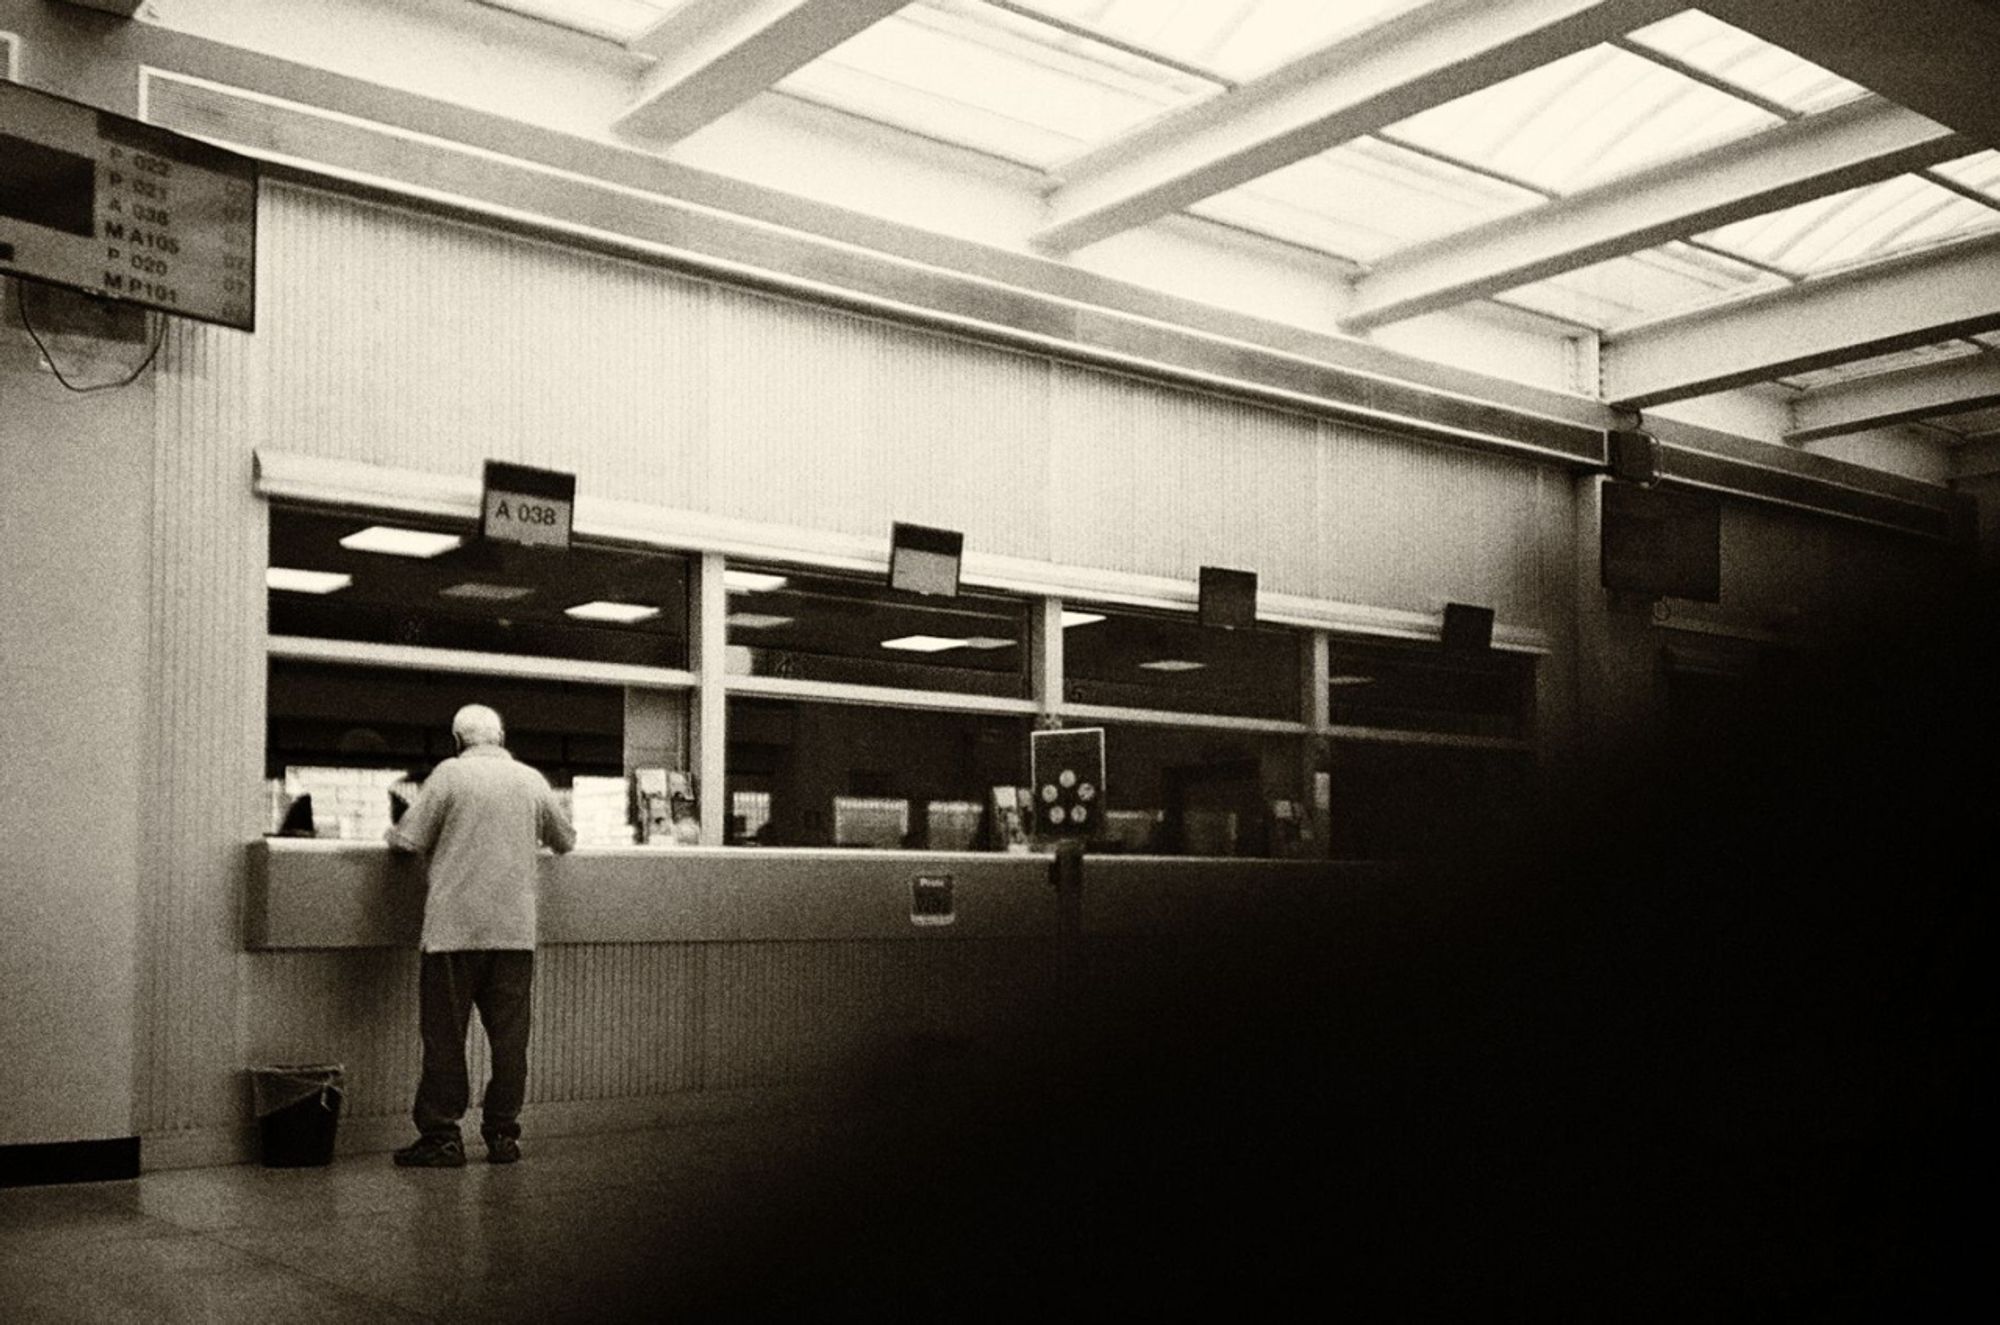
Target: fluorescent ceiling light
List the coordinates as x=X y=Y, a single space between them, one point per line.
x=492 y=593
x=757 y=620
x=750 y=581
x=600 y=610
x=305 y=581
x=1070 y=618
x=987 y=642
x=400 y=542
x=1172 y=665
x=1350 y=680
x=923 y=643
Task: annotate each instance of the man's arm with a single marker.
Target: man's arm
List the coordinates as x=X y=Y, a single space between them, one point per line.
x=558 y=834
x=417 y=830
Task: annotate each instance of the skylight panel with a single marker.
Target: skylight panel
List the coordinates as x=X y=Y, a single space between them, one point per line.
x=1584 y=119
x=1979 y=172
x=1859 y=225
x=1236 y=38
x=1751 y=63
x=1365 y=199
x=1640 y=287
x=614 y=20
x=990 y=80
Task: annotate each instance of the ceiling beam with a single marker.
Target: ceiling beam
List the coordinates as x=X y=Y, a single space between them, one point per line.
x=1934 y=56
x=1891 y=306
x=1421 y=59
x=1859 y=143
x=122 y=8
x=1955 y=386
x=714 y=55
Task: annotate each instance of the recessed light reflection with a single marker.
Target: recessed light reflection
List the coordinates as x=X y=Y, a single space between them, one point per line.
x=491 y=593
x=1350 y=680
x=400 y=542
x=750 y=581
x=305 y=581
x=1173 y=665
x=923 y=643
x=757 y=620
x=988 y=642
x=1070 y=618
x=624 y=613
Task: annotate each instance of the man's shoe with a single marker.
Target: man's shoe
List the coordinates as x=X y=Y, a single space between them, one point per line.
x=432 y=1152
x=502 y=1150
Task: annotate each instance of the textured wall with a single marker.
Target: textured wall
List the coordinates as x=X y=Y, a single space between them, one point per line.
x=75 y=479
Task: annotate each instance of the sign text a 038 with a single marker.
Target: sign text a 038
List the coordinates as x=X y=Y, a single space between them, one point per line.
x=527 y=505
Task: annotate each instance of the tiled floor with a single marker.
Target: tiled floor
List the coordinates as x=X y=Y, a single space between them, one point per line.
x=607 y=1227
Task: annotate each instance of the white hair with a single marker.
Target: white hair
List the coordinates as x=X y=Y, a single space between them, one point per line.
x=475 y=724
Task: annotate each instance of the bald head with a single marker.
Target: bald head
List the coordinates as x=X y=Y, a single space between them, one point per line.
x=475 y=724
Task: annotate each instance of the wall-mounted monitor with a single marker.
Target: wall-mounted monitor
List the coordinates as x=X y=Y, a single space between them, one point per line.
x=925 y=560
x=1661 y=542
x=1228 y=598
x=125 y=210
x=1467 y=629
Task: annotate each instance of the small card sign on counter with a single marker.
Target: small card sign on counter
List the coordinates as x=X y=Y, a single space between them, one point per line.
x=930 y=900
x=526 y=505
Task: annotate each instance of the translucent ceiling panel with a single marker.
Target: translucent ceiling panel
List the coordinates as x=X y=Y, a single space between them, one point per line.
x=1236 y=38
x=1917 y=357
x=1643 y=286
x=984 y=78
x=1586 y=118
x=1364 y=199
x=1980 y=173
x=617 y=20
x=1748 y=62
x=1860 y=225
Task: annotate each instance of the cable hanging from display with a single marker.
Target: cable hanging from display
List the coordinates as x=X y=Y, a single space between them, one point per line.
x=48 y=356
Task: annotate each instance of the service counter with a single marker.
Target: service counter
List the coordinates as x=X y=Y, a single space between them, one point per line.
x=318 y=894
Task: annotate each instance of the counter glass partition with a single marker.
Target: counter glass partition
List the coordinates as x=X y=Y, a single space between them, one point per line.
x=436 y=584
x=1419 y=686
x=819 y=626
x=1163 y=661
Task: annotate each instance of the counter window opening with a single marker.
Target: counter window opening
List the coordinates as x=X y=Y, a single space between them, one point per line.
x=1204 y=740
x=1429 y=749
x=863 y=716
x=381 y=626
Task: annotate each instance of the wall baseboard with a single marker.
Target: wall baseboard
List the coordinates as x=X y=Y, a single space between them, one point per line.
x=43 y=1163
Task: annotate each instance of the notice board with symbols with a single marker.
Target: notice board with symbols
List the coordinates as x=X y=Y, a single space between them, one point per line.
x=1067 y=768
x=126 y=210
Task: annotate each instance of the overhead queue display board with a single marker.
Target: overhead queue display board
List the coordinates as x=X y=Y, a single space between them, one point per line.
x=126 y=210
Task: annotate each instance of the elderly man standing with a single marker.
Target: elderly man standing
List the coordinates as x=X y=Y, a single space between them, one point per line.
x=480 y=820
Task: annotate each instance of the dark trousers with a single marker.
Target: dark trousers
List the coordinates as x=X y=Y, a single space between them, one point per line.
x=449 y=986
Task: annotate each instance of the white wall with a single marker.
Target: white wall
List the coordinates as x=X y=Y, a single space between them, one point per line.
x=73 y=631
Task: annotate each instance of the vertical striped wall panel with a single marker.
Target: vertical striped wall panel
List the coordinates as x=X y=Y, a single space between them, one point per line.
x=829 y=420
x=782 y=1013
x=1159 y=481
x=412 y=341
x=206 y=673
x=1416 y=526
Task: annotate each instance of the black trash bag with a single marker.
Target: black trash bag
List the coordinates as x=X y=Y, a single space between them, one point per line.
x=298 y=1113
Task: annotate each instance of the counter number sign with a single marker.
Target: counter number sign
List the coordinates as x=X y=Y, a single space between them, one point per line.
x=1068 y=770
x=524 y=505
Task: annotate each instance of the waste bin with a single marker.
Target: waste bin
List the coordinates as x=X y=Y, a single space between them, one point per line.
x=298 y=1110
